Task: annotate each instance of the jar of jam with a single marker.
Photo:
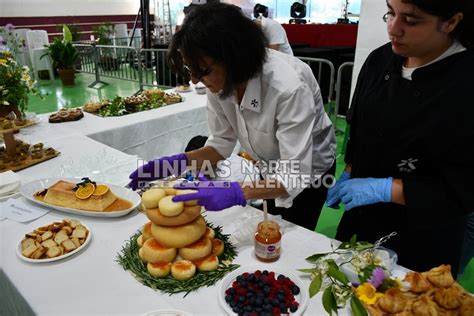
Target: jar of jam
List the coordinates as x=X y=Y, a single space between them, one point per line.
x=267 y=241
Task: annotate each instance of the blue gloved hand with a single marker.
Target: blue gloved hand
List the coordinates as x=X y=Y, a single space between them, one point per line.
x=333 y=199
x=213 y=195
x=158 y=169
x=363 y=191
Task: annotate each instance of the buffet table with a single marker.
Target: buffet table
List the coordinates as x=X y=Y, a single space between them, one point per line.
x=148 y=134
x=92 y=283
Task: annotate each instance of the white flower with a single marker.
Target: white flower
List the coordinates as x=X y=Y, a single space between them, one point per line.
x=6 y=103
x=4 y=92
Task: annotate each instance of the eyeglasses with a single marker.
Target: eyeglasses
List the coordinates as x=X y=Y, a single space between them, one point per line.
x=200 y=73
x=385 y=17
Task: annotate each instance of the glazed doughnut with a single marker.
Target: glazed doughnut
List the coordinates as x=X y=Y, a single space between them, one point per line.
x=152 y=197
x=159 y=269
x=154 y=252
x=191 y=202
x=146 y=234
x=217 y=247
x=140 y=241
x=188 y=214
x=179 y=236
x=199 y=249
x=169 y=208
x=210 y=233
x=183 y=270
x=209 y=263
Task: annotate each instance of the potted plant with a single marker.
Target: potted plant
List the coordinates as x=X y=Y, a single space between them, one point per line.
x=16 y=86
x=64 y=56
x=104 y=33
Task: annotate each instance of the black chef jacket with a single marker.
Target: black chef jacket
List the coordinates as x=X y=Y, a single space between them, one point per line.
x=419 y=131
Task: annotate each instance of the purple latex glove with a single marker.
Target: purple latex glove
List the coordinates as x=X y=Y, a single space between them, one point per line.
x=334 y=198
x=158 y=169
x=363 y=191
x=213 y=195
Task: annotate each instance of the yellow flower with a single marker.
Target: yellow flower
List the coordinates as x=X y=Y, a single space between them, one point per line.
x=3 y=61
x=367 y=293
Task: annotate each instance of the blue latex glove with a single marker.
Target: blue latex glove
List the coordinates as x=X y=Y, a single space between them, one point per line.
x=158 y=169
x=333 y=199
x=213 y=195
x=363 y=191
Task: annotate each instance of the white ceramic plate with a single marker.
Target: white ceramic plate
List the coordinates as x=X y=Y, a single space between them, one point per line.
x=83 y=246
x=301 y=298
x=29 y=189
x=167 y=312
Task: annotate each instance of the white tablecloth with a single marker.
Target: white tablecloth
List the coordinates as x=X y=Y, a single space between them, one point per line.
x=148 y=134
x=92 y=282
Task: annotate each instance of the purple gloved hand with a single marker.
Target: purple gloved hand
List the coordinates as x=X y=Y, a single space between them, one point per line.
x=213 y=195
x=158 y=169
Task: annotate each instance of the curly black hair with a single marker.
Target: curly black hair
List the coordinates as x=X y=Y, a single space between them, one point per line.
x=222 y=33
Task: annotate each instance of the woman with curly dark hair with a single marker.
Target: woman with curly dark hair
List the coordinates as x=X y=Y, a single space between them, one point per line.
x=268 y=101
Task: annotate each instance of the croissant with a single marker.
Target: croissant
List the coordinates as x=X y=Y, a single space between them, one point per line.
x=418 y=282
x=467 y=309
x=441 y=276
x=393 y=301
x=448 y=298
x=424 y=306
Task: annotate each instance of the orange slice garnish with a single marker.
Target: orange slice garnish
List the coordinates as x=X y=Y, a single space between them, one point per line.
x=101 y=189
x=85 y=191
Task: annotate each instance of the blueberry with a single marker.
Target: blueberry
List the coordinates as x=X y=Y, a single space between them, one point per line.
x=295 y=290
x=275 y=302
x=281 y=277
x=266 y=301
x=280 y=296
x=293 y=307
x=258 y=301
x=267 y=289
x=241 y=299
x=243 y=283
x=231 y=291
x=228 y=298
x=248 y=308
x=236 y=310
x=265 y=272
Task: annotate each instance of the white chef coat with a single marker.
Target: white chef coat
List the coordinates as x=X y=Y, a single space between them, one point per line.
x=281 y=117
x=276 y=34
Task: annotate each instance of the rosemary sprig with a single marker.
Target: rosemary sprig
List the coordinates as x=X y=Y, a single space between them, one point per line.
x=128 y=258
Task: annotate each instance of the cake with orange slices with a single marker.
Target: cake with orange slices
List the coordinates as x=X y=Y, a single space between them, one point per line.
x=85 y=195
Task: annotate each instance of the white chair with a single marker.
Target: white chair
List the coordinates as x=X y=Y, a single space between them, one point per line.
x=36 y=41
x=121 y=35
x=23 y=55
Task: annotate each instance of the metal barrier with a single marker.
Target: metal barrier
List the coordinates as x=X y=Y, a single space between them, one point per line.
x=155 y=70
x=326 y=86
x=341 y=75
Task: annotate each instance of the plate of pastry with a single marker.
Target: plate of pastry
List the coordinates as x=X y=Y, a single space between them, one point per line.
x=55 y=241
x=272 y=289
x=83 y=197
x=183 y=88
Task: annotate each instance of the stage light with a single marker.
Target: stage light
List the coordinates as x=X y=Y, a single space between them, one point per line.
x=298 y=12
x=260 y=9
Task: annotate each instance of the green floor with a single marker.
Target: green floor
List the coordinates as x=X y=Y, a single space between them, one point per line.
x=56 y=97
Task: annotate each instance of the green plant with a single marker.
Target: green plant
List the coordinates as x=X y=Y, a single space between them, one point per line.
x=62 y=52
x=15 y=83
x=74 y=29
x=103 y=33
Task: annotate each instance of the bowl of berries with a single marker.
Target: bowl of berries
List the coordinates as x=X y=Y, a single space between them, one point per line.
x=257 y=290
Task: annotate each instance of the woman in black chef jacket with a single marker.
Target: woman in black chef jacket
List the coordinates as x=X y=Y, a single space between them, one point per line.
x=411 y=120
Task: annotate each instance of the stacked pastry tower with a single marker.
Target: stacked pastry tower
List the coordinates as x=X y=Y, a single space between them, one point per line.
x=176 y=240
